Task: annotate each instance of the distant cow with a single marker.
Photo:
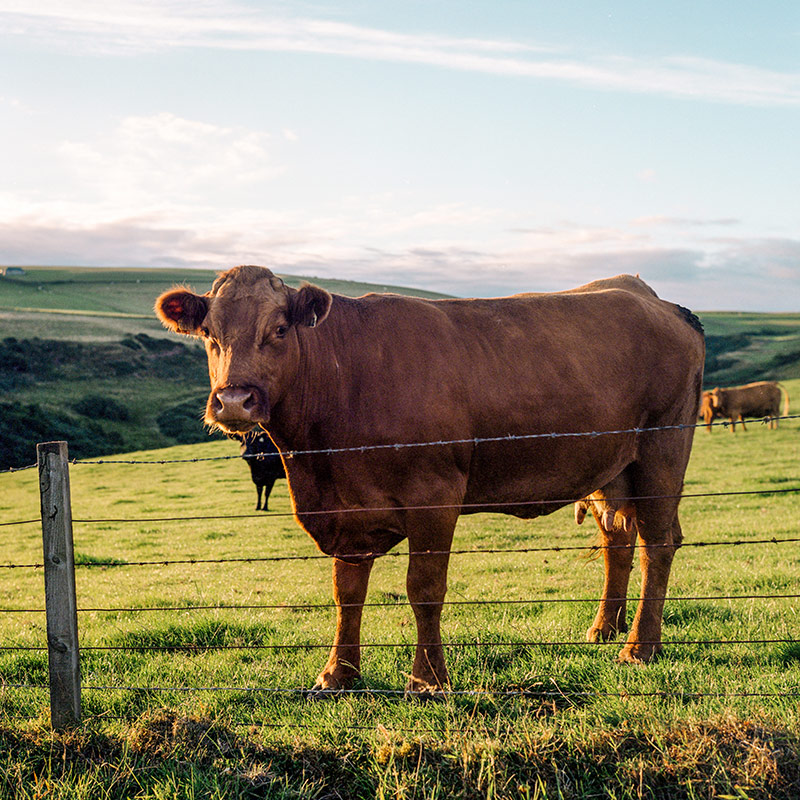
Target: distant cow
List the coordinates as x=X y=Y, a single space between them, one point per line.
x=400 y=413
x=265 y=464
x=762 y=399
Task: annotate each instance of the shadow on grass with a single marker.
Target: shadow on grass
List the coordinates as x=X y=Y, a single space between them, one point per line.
x=166 y=754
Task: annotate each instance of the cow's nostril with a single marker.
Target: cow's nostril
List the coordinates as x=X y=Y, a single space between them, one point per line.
x=249 y=402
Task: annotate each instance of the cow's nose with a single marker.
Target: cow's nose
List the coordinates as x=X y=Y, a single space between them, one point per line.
x=234 y=404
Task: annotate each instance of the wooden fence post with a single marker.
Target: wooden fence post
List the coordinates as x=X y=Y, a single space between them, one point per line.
x=59 y=585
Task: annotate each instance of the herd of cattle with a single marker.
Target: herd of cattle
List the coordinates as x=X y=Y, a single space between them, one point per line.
x=402 y=414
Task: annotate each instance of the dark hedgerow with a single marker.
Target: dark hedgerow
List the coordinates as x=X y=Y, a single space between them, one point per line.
x=102 y=408
x=184 y=422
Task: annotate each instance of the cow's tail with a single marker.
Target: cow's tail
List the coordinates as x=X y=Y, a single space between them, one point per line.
x=785 y=399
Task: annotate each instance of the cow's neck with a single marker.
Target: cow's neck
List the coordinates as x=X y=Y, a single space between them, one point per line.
x=314 y=410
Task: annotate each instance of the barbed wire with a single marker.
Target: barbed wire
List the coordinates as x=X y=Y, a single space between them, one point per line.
x=439 y=443
x=430 y=507
x=385 y=693
x=400 y=554
x=194 y=647
x=403 y=445
x=401 y=604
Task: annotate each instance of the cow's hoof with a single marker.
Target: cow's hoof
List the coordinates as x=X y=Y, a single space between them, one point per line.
x=337 y=675
x=638 y=653
x=604 y=633
x=317 y=692
x=417 y=689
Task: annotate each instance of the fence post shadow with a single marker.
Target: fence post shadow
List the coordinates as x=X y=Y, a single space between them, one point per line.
x=59 y=585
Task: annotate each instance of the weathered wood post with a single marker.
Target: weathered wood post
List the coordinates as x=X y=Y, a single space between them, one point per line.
x=59 y=585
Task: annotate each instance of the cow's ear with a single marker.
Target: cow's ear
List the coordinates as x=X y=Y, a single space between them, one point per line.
x=309 y=306
x=182 y=311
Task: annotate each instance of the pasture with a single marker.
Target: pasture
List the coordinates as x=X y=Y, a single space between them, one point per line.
x=192 y=671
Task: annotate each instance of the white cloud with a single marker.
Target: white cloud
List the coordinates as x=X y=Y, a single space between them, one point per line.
x=155 y=160
x=119 y=27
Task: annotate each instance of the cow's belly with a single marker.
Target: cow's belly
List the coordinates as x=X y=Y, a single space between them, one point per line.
x=530 y=478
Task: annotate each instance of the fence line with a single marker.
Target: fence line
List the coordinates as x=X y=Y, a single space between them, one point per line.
x=433 y=507
x=444 y=694
x=403 y=445
x=400 y=554
x=63 y=716
x=444 y=442
x=193 y=647
x=401 y=604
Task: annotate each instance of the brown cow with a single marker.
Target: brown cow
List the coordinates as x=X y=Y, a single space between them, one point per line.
x=761 y=399
x=397 y=414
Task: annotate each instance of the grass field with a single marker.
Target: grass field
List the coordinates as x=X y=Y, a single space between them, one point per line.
x=47 y=301
x=225 y=719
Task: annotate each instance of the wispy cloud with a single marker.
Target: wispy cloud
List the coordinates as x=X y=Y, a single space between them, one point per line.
x=160 y=159
x=119 y=27
x=700 y=277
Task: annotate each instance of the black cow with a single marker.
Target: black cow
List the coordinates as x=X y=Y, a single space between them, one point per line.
x=265 y=464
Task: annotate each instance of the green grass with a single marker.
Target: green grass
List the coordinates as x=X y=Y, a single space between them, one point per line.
x=593 y=734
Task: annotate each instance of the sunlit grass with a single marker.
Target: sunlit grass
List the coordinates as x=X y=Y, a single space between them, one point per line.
x=691 y=703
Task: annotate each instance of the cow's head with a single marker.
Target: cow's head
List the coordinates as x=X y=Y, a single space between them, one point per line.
x=716 y=397
x=250 y=323
x=706 y=412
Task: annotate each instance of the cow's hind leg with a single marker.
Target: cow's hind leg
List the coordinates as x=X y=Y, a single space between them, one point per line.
x=259 y=487
x=350 y=581
x=660 y=534
x=618 y=558
x=657 y=484
x=426 y=584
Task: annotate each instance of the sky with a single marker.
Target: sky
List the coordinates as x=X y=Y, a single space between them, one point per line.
x=472 y=147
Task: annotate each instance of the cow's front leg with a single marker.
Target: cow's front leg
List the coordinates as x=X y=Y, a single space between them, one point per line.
x=350 y=582
x=426 y=584
x=618 y=558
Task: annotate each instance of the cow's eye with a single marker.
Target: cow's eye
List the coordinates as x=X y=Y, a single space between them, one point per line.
x=204 y=331
x=281 y=331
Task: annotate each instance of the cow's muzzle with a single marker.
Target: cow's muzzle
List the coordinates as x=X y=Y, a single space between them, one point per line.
x=236 y=409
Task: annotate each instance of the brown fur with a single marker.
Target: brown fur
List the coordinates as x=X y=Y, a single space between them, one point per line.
x=385 y=370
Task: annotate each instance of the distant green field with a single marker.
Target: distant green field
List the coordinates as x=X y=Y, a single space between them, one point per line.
x=224 y=719
x=116 y=301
